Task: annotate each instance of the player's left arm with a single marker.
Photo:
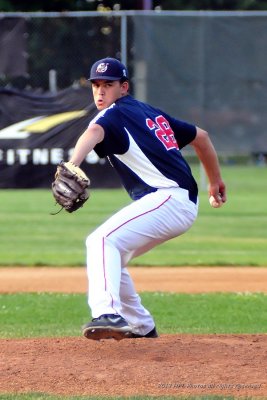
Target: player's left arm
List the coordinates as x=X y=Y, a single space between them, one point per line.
x=207 y=154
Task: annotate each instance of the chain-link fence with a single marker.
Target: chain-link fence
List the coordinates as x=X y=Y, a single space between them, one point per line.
x=207 y=68
x=67 y=45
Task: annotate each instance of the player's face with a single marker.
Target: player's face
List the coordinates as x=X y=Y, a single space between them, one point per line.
x=106 y=92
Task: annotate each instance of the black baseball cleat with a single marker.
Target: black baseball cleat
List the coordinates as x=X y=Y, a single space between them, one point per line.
x=152 y=334
x=107 y=326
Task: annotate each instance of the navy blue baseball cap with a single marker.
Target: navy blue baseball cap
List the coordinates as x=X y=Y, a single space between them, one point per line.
x=109 y=69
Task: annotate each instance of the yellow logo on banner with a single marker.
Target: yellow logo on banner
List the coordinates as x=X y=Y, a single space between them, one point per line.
x=23 y=129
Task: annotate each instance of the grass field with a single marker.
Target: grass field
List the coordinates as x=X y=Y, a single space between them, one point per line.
x=233 y=235
x=48 y=315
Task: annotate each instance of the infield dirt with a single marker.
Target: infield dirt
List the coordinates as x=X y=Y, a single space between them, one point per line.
x=170 y=365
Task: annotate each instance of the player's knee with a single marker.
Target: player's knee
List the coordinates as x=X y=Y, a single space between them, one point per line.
x=97 y=239
x=92 y=239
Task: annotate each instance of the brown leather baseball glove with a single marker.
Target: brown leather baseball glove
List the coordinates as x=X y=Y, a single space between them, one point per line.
x=70 y=187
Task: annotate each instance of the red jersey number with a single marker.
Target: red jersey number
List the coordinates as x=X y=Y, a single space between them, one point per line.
x=163 y=132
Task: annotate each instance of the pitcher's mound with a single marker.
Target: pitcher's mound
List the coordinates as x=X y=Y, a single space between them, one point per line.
x=169 y=365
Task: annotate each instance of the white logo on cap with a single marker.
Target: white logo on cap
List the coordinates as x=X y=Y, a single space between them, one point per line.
x=124 y=72
x=102 y=67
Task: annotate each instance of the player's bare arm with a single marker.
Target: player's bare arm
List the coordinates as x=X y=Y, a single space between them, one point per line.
x=208 y=156
x=93 y=135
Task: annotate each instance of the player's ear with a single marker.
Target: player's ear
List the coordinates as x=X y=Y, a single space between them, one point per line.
x=125 y=87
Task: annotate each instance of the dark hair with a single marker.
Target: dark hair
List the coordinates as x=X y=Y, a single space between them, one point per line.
x=122 y=80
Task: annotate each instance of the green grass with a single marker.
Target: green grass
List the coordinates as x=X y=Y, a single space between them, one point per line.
x=47 y=314
x=235 y=234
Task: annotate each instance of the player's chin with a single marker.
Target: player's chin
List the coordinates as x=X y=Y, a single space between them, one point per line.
x=100 y=106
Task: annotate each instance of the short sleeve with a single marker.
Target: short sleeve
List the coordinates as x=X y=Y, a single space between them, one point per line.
x=184 y=132
x=116 y=140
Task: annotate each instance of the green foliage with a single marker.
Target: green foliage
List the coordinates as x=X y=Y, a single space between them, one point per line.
x=232 y=235
x=48 y=315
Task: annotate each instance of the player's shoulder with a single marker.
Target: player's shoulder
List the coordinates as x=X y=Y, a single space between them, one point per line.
x=102 y=113
x=131 y=103
x=125 y=101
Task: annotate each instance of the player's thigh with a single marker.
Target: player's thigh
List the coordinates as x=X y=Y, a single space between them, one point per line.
x=144 y=223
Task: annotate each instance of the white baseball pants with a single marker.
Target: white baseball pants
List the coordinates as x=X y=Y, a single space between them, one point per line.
x=137 y=228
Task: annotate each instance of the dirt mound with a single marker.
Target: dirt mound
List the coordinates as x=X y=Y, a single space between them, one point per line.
x=168 y=365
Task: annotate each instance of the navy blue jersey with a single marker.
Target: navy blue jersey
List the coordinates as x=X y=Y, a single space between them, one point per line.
x=143 y=144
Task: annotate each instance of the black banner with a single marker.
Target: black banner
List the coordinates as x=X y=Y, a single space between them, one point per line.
x=37 y=131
